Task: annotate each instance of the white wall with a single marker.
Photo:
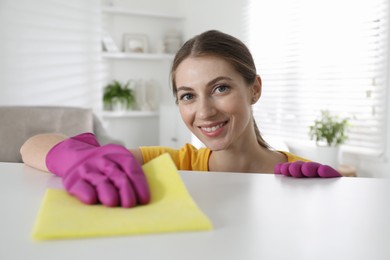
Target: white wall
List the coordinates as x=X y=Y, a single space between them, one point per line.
x=224 y=15
x=50 y=52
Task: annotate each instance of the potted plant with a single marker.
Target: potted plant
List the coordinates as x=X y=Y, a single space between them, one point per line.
x=118 y=96
x=329 y=132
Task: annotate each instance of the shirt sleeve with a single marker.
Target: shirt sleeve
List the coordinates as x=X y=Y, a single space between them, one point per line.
x=293 y=158
x=151 y=152
x=186 y=158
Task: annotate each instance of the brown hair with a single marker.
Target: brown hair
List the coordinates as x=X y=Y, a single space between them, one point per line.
x=225 y=46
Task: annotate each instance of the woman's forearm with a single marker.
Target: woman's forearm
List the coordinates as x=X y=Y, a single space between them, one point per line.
x=35 y=149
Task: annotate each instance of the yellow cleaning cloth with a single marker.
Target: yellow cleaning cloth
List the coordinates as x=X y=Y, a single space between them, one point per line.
x=171 y=209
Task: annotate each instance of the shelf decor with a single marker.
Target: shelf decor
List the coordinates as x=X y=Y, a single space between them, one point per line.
x=135 y=43
x=118 y=96
x=108 y=43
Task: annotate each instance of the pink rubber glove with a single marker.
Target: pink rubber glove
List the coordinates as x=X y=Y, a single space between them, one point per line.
x=107 y=174
x=301 y=169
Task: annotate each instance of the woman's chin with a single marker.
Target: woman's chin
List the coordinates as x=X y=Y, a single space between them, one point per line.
x=215 y=146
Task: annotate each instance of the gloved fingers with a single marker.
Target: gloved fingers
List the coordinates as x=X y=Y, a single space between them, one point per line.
x=310 y=169
x=325 y=171
x=292 y=169
x=124 y=186
x=295 y=169
x=284 y=169
x=277 y=168
x=127 y=195
x=129 y=164
x=125 y=189
x=106 y=191
x=113 y=187
x=300 y=169
x=81 y=189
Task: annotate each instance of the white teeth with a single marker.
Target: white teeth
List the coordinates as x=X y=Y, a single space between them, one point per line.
x=212 y=129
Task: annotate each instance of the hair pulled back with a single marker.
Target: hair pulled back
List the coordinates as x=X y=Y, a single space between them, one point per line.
x=225 y=46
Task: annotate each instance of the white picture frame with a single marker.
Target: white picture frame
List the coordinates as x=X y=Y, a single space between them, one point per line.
x=108 y=43
x=135 y=43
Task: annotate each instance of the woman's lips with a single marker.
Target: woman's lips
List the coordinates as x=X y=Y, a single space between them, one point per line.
x=213 y=130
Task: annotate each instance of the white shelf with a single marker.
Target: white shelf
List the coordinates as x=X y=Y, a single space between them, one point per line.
x=123 y=11
x=138 y=56
x=131 y=113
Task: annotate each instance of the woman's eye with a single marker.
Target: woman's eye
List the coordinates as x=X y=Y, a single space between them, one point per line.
x=221 y=89
x=186 y=97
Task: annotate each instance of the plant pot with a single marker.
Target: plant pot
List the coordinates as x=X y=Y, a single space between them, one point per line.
x=328 y=155
x=119 y=105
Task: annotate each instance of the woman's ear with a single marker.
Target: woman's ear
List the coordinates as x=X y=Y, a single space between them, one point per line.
x=256 y=90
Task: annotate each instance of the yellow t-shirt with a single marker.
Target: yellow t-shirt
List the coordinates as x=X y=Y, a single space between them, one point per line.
x=189 y=158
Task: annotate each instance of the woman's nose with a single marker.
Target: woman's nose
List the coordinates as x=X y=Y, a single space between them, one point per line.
x=206 y=108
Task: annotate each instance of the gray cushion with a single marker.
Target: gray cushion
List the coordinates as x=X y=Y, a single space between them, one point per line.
x=18 y=123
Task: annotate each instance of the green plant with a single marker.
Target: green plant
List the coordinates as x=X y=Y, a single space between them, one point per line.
x=329 y=129
x=117 y=94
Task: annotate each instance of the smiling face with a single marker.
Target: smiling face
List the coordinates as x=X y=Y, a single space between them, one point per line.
x=215 y=102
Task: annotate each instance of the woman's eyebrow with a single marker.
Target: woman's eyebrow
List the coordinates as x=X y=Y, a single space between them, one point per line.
x=212 y=82
x=184 y=88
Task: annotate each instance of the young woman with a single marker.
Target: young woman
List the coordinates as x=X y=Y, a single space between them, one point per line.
x=215 y=83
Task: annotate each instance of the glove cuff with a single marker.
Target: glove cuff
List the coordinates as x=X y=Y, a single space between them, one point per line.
x=58 y=159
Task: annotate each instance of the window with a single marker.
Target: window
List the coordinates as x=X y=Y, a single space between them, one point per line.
x=50 y=52
x=314 y=55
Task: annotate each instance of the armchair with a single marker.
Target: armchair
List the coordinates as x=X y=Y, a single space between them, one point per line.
x=18 y=123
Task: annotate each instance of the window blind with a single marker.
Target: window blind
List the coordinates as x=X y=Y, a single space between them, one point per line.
x=314 y=55
x=50 y=52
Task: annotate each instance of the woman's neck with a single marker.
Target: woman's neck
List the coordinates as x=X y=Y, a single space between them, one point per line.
x=255 y=159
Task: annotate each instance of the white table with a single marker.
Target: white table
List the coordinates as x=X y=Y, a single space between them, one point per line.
x=255 y=216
